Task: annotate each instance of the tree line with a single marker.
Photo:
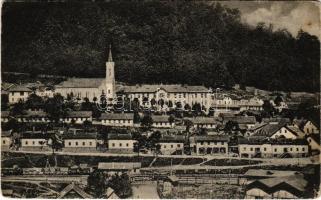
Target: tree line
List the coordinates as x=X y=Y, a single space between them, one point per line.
x=154 y=42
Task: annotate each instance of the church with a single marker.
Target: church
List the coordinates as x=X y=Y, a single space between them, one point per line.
x=93 y=88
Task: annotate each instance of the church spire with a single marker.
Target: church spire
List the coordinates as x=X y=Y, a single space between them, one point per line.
x=110 y=56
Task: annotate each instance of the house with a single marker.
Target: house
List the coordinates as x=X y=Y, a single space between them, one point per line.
x=244 y=122
x=276 y=120
x=204 y=122
x=172 y=145
x=291 y=187
x=73 y=191
x=120 y=143
x=255 y=174
x=280 y=148
x=117 y=119
x=33 y=116
x=34 y=141
x=161 y=121
x=314 y=141
x=5 y=116
x=209 y=144
x=253 y=103
x=80 y=142
x=6 y=140
x=19 y=93
x=77 y=117
x=307 y=126
x=279 y=131
x=124 y=167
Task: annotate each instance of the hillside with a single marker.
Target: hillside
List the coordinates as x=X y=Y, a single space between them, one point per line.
x=154 y=42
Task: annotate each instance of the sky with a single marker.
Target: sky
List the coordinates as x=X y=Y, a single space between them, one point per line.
x=291 y=15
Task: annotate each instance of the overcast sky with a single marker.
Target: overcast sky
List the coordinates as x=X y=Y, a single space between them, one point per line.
x=292 y=15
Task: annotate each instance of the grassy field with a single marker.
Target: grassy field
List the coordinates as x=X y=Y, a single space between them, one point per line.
x=230 y=162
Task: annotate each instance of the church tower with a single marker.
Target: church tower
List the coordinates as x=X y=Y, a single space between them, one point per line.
x=110 y=76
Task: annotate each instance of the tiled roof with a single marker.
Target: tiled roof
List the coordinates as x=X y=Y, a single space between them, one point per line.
x=119 y=165
x=269 y=173
x=126 y=116
x=296 y=181
x=259 y=141
x=113 y=136
x=77 y=189
x=81 y=83
x=79 y=114
x=5 y=113
x=223 y=138
x=169 y=139
x=80 y=136
x=277 y=119
x=241 y=119
x=160 y=118
x=34 y=135
x=20 y=88
x=268 y=130
x=29 y=113
x=146 y=88
x=203 y=120
x=6 y=133
x=315 y=137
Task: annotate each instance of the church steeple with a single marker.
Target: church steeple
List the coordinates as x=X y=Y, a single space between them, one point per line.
x=110 y=56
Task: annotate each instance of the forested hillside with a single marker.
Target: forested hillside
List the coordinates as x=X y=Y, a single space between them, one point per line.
x=154 y=42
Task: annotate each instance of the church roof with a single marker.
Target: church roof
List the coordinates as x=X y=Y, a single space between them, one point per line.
x=81 y=83
x=148 y=88
x=75 y=188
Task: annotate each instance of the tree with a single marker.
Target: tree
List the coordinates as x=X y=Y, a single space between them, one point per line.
x=170 y=104
x=87 y=124
x=55 y=107
x=268 y=109
x=171 y=119
x=147 y=122
x=97 y=183
x=231 y=127
x=55 y=141
x=153 y=101
x=278 y=100
x=121 y=185
x=34 y=102
x=12 y=124
x=154 y=139
x=188 y=124
x=187 y=107
x=86 y=105
x=136 y=117
x=18 y=108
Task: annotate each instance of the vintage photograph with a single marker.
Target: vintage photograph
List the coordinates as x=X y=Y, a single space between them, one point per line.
x=113 y=99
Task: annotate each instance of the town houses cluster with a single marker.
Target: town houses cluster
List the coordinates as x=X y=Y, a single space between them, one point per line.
x=226 y=123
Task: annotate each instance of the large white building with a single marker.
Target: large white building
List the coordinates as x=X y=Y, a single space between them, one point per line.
x=161 y=96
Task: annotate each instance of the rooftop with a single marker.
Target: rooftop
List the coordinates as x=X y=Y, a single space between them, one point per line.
x=79 y=114
x=115 y=136
x=147 y=88
x=119 y=165
x=81 y=83
x=127 y=116
x=222 y=138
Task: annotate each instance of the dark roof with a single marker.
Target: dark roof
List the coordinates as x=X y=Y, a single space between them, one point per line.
x=146 y=88
x=203 y=120
x=295 y=184
x=160 y=118
x=81 y=83
x=79 y=114
x=315 y=137
x=172 y=139
x=6 y=133
x=119 y=165
x=71 y=136
x=269 y=173
x=127 y=116
x=29 y=113
x=75 y=188
x=241 y=119
x=35 y=135
x=276 y=119
x=223 y=138
x=283 y=141
x=5 y=113
x=20 y=88
x=268 y=130
x=115 y=136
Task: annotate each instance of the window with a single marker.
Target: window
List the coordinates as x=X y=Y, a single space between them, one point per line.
x=113 y=144
x=285 y=131
x=178 y=145
x=127 y=144
x=202 y=143
x=164 y=146
x=172 y=146
x=251 y=149
x=303 y=149
x=120 y=144
x=222 y=143
x=69 y=143
x=12 y=93
x=244 y=148
x=264 y=148
x=83 y=143
x=4 y=142
x=26 y=142
x=290 y=149
x=21 y=93
x=275 y=150
x=297 y=149
x=208 y=143
x=76 y=143
x=90 y=143
x=33 y=142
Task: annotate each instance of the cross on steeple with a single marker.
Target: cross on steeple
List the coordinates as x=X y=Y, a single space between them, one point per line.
x=110 y=56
